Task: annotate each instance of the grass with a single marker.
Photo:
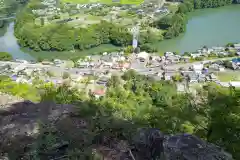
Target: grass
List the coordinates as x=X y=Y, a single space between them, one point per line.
x=228 y=76
x=69 y=55
x=18 y=89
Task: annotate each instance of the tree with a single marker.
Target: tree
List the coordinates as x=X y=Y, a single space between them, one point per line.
x=65 y=75
x=50 y=74
x=39 y=59
x=225 y=117
x=187 y=54
x=114 y=81
x=4 y=56
x=128 y=50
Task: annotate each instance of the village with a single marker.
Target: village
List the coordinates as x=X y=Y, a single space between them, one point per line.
x=91 y=73
x=82 y=15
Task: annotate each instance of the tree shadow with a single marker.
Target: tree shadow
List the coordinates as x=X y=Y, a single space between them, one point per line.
x=56 y=131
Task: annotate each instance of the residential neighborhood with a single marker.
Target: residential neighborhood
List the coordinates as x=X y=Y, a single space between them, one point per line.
x=92 y=72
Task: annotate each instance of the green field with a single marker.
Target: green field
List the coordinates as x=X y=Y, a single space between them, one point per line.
x=103 y=1
x=228 y=76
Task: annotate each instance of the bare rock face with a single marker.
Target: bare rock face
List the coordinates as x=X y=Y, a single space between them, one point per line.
x=19 y=121
x=7 y=100
x=153 y=144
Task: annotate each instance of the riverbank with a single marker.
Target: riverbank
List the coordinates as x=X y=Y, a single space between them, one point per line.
x=205 y=27
x=46 y=55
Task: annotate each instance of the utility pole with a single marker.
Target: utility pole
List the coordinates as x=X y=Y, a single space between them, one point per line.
x=135 y=33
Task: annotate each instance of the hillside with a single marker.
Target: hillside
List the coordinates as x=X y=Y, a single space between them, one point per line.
x=78 y=124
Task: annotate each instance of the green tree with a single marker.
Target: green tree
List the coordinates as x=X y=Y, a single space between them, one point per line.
x=65 y=75
x=4 y=56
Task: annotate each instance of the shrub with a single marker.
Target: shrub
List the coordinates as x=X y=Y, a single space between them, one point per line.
x=4 y=56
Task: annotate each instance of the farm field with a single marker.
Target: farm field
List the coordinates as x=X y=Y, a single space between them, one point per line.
x=228 y=76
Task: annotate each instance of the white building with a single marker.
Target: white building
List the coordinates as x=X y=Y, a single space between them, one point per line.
x=197 y=68
x=143 y=55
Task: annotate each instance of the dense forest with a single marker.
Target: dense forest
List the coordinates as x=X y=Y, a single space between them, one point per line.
x=175 y=24
x=133 y=101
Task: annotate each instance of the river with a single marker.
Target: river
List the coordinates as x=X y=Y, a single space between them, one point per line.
x=210 y=27
x=8 y=43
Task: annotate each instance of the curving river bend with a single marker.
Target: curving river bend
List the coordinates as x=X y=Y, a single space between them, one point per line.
x=210 y=27
x=8 y=43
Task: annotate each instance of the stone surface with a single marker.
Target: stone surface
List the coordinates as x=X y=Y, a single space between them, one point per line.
x=180 y=146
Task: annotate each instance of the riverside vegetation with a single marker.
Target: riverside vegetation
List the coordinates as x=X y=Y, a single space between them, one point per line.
x=66 y=38
x=133 y=101
x=4 y=56
x=175 y=24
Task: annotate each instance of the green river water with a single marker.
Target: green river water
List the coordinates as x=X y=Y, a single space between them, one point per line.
x=210 y=27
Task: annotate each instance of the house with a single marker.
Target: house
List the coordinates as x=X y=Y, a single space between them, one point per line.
x=5 y=67
x=14 y=77
x=195 y=55
x=19 y=68
x=106 y=58
x=218 y=49
x=168 y=75
x=201 y=78
x=192 y=77
x=83 y=64
x=167 y=54
x=143 y=55
x=237 y=46
x=185 y=58
x=197 y=68
x=57 y=61
x=28 y=71
x=102 y=81
x=213 y=77
x=46 y=62
x=98 y=93
x=125 y=65
x=173 y=59
x=21 y=61
x=223 y=53
x=214 y=66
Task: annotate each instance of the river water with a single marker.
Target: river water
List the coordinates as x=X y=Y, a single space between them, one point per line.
x=210 y=27
x=8 y=43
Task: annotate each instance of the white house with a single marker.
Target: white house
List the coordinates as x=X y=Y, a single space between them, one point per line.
x=143 y=55
x=197 y=68
x=167 y=54
x=108 y=64
x=83 y=64
x=195 y=55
